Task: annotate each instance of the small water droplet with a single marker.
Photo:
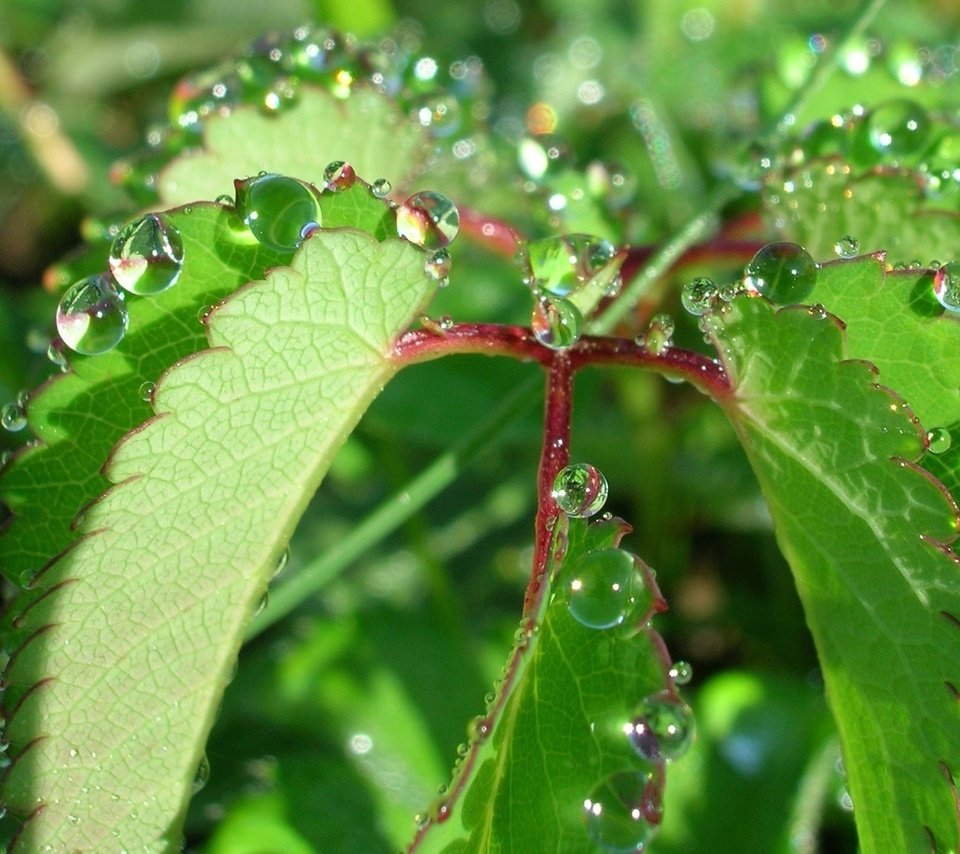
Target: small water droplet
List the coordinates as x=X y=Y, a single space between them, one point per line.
x=623 y=811
x=681 y=673
x=339 y=176
x=282 y=562
x=261 y=604
x=663 y=728
x=782 y=272
x=438 y=265
x=429 y=220
x=847 y=247
x=556 y=322
x=559 y=265
x=202 y=775
x=381 y=188
x=939 y=440
x=276 y=209
x=659 y=334
x=599 y=589
x=146 y=391
x=580 y=490
x=146 y=256
x=898 y=127
x=13 y=416
x=698 y=296
x=946 y=286
x=56 y=356
x=91 y=316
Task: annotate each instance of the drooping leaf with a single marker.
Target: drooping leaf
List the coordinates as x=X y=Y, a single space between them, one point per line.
x=556 y=730
x=366 y=129
x=866 y=534
x=132 y=632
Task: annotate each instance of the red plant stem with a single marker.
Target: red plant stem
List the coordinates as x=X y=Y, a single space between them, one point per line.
x=491 y=339
x=554 y=455
x=492 y=233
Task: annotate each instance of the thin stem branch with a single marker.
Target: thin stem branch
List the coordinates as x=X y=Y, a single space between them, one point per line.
x=490 y=339
x=490 y=232
x=554 y=455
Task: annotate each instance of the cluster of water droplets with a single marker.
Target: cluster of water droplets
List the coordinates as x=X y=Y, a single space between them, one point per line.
x=605 y=589
x=449 y=100
x=557 y=269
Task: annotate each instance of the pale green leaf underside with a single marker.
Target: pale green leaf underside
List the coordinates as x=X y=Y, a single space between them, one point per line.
x=366 y=129
x=144 y=630
x=859 y=526
x=894 y=321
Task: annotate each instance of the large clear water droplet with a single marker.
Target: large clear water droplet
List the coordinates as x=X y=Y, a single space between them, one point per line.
x=429 y=220
x=784 y=273
x=13 y=416
x=847 y=247
x=663 y=728
x=556 y=322
x=91 y=316
x=559 y=265
x=622 y=812
x=898 y=127
x=580 y=490
x=599 y=588
x=699 y=295
x=339 y=176
x=277 y=209
x=146 y=256
x=946 y=286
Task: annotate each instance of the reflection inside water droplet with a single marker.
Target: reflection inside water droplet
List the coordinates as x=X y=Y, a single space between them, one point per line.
x=556 y=322
x=91 y=316
x=622 y=813
x=599 y=588
x=429 y=220
x=580 y=490
x=146 y=257
x=784 y=273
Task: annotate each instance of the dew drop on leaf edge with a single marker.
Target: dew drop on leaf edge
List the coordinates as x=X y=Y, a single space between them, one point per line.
x=580 y=490
x=13 y=417
x=339 y=176
x=659 y=334
x=146 y=256
x=946 y=286
x=429 y=220
x=939 y=440
x=277 y=210
x=847 y=247
x=91 y=316
x=699 y=295
x=784 y=273
x=662 y=728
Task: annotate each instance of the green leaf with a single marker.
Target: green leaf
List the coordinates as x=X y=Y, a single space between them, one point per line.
x=885 y=209
x=134 y=631
x=366 y=129
x=557 y=726
x=894 y=321
x=865 y=532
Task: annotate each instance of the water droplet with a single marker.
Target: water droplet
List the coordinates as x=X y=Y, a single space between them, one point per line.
x=559 y=265
x=261 y=604
x=13 y=416
x=91 y=316
x=146 y=256
x=659 y=334
x=146 y=391
x=939 y=440
x=946 y=286
x=429 y=220
x=897 y=127
x=339 y=176
x=556 y=322
x=202 y=775
x=663 y=728
x=282 y=562
x=580 y=490
x=782 y=272
x=381 y=188
x=600 y=588
x=56 y=356
x=699 y=295
x=276 y=209
x=479 y=728
x=681 y=673
x=623 y=811
x=438 y=266
x=847 y=247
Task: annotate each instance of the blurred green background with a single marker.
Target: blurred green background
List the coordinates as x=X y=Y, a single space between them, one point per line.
x=345 y=718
